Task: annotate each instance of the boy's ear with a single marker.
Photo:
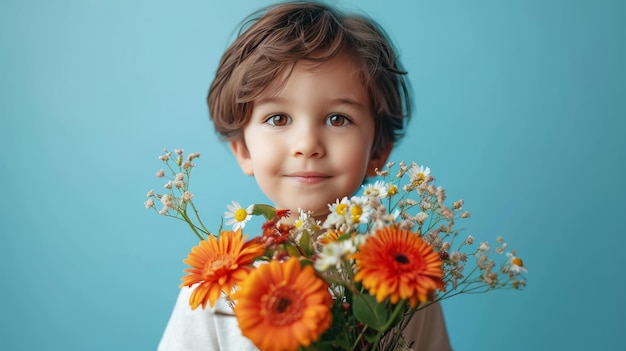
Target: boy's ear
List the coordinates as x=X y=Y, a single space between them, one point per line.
x=378 y=160
x=240 y=150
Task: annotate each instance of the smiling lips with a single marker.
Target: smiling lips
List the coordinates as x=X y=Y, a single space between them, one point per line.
x=308 y=177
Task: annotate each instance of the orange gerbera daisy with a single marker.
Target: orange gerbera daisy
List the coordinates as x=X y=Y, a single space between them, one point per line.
x=219 y=264
x=398 y=264
x=282 y=306
x=328 y=237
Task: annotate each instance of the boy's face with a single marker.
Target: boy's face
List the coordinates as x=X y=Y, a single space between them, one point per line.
x=311 y=143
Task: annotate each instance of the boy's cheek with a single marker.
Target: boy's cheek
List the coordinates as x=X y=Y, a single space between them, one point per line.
x=241 y=153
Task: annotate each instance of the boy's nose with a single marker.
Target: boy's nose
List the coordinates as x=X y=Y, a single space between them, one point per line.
x=308 y=144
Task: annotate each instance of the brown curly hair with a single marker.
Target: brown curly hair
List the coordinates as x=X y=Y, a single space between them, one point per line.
x=272 y=40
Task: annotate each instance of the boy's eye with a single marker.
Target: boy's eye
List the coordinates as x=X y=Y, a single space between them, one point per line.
x=278 y=120
x=338 y=120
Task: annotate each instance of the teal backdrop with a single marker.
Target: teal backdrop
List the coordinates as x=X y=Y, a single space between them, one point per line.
x=520 y=109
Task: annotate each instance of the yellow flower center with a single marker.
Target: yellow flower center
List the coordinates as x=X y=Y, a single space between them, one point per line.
x=517 y=261
x=356 y=211
x=341 y=209
x=241 y=215
x=392 y=190
x=419 y=179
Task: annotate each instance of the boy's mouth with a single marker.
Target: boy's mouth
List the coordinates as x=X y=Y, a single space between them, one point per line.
x=308 y=177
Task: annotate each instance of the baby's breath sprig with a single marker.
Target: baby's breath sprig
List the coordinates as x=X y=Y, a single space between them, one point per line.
x=177 y=196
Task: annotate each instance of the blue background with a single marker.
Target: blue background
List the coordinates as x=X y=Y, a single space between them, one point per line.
x=520 y=111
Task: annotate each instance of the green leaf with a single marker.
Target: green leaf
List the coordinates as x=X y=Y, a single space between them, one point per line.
x=267 y=211
x=340 y=335
x=306 y=244
x=292 y=250
x=370 y=312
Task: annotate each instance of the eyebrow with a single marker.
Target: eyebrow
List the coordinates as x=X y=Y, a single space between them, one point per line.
x=271 y=100
x=347 y=101
x=334 y=102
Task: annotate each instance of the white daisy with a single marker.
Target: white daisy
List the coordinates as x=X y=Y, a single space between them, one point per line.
x=306 y=221
x=515 y=264
x=419 y=174
x=378 y=189
x=239 y=216
x=338 y=212
x=359 y=210
x=333 y=254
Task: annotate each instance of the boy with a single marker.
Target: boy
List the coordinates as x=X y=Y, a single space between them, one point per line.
x=311 y=102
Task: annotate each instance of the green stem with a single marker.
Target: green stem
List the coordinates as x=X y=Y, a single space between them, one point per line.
x=358 y=338
x=379 y=335
x=198 y=217
x=193 y=228
x=396 y=312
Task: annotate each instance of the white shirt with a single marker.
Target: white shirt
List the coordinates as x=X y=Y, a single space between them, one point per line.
x=216 y=329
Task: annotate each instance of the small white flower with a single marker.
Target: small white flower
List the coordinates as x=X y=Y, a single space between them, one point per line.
x=391 y=190
x=418 y=174
x=382 y=219
x=167 y=201
x=483 y=247
x=149 y=203
x=239 y=216
x=455 y=257
x=160 y=173
x=346 y=214
x=338 y=212
x=457 y=205
x=440 y=192
x=515 y=264
x=187 y=196
x=150 y=193
x=306 y=221
x=378 y=189
x=359 y=210
x=333 y=254
x=359 y=240
x=421 y=217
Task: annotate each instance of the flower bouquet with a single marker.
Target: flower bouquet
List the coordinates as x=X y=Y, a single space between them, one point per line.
x=350 y=282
